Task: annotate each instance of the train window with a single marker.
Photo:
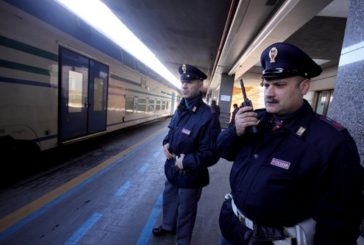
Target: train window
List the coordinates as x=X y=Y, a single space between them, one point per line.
x=163 y=105
x=167 y=105
x=129 y=104
x=98 y=95
x=75 y=98
x=158 y=105
x=141 y=105
x=324 y=99
x=151 y=105
x=143 y=83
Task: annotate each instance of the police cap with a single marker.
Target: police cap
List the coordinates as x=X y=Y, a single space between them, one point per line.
x=189 y=73
x=281 y=60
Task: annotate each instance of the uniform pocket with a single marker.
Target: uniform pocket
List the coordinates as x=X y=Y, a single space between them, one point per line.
x=231 y=228
x=170 y=170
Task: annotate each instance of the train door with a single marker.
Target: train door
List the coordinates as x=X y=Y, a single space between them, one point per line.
x=97 y=97
x=83 y=95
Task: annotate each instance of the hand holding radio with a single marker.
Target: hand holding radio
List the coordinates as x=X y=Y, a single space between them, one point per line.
x=246 y=119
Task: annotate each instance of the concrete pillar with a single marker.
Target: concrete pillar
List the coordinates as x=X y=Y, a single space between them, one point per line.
x=226 y=91
x=348 y=102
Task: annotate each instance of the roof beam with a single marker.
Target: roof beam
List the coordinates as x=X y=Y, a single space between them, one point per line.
x=287 y=20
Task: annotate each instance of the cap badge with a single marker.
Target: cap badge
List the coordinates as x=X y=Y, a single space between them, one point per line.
x=273 y=52
x=184 y=68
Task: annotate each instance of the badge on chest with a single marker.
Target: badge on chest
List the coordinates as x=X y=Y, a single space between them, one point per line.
x=280 y=163
x=186 y=131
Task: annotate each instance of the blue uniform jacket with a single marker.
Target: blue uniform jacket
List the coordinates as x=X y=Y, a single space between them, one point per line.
x=192 y=131
x=308 y=168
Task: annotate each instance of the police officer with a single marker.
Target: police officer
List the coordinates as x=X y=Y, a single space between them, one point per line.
x=215 y=108
x=190 y=148
x=235 y=110
x=301 y=170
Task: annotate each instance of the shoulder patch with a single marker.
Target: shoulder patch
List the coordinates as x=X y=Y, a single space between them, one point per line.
x=332 y=122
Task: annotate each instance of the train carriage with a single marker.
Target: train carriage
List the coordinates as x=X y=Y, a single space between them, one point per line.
x=62 y=81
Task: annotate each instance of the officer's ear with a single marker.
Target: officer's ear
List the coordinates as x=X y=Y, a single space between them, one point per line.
x=201 y=84
x=304 y=86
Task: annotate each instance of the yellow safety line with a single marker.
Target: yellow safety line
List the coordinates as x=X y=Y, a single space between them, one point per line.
x=14 y=217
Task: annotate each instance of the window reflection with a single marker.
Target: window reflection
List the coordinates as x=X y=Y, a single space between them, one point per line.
x=129 y=104
x=142 y=105
x=151 y=105
x=75 y=99
x=323 y=102
x=98 y=88
x=158 y=105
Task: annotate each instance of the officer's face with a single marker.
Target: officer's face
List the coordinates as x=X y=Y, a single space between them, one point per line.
x=282 y=96
x=191 y=89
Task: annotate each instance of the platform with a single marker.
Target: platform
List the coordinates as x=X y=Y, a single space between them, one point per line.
x=116 y=201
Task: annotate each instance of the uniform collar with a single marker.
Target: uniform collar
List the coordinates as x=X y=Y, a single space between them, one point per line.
x=191 y=104
x=300 y=121
x=297 y=123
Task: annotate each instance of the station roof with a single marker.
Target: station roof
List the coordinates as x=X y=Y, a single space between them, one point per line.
x=227 y=36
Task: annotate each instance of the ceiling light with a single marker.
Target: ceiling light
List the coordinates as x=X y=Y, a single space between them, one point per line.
x=321 y=61
x=99 y=16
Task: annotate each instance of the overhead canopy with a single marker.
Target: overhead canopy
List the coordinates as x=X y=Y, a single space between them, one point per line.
x=228 y=36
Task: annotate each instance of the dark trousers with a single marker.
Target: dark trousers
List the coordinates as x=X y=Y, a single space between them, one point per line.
x=179 y=211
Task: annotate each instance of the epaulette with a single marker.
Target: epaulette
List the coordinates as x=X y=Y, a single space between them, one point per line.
x=331 y=122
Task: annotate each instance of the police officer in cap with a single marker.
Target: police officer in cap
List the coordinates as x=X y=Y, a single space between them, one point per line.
x=190 y=148
x=299 y=178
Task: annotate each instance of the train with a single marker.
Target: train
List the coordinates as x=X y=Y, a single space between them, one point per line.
x=61 y=81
